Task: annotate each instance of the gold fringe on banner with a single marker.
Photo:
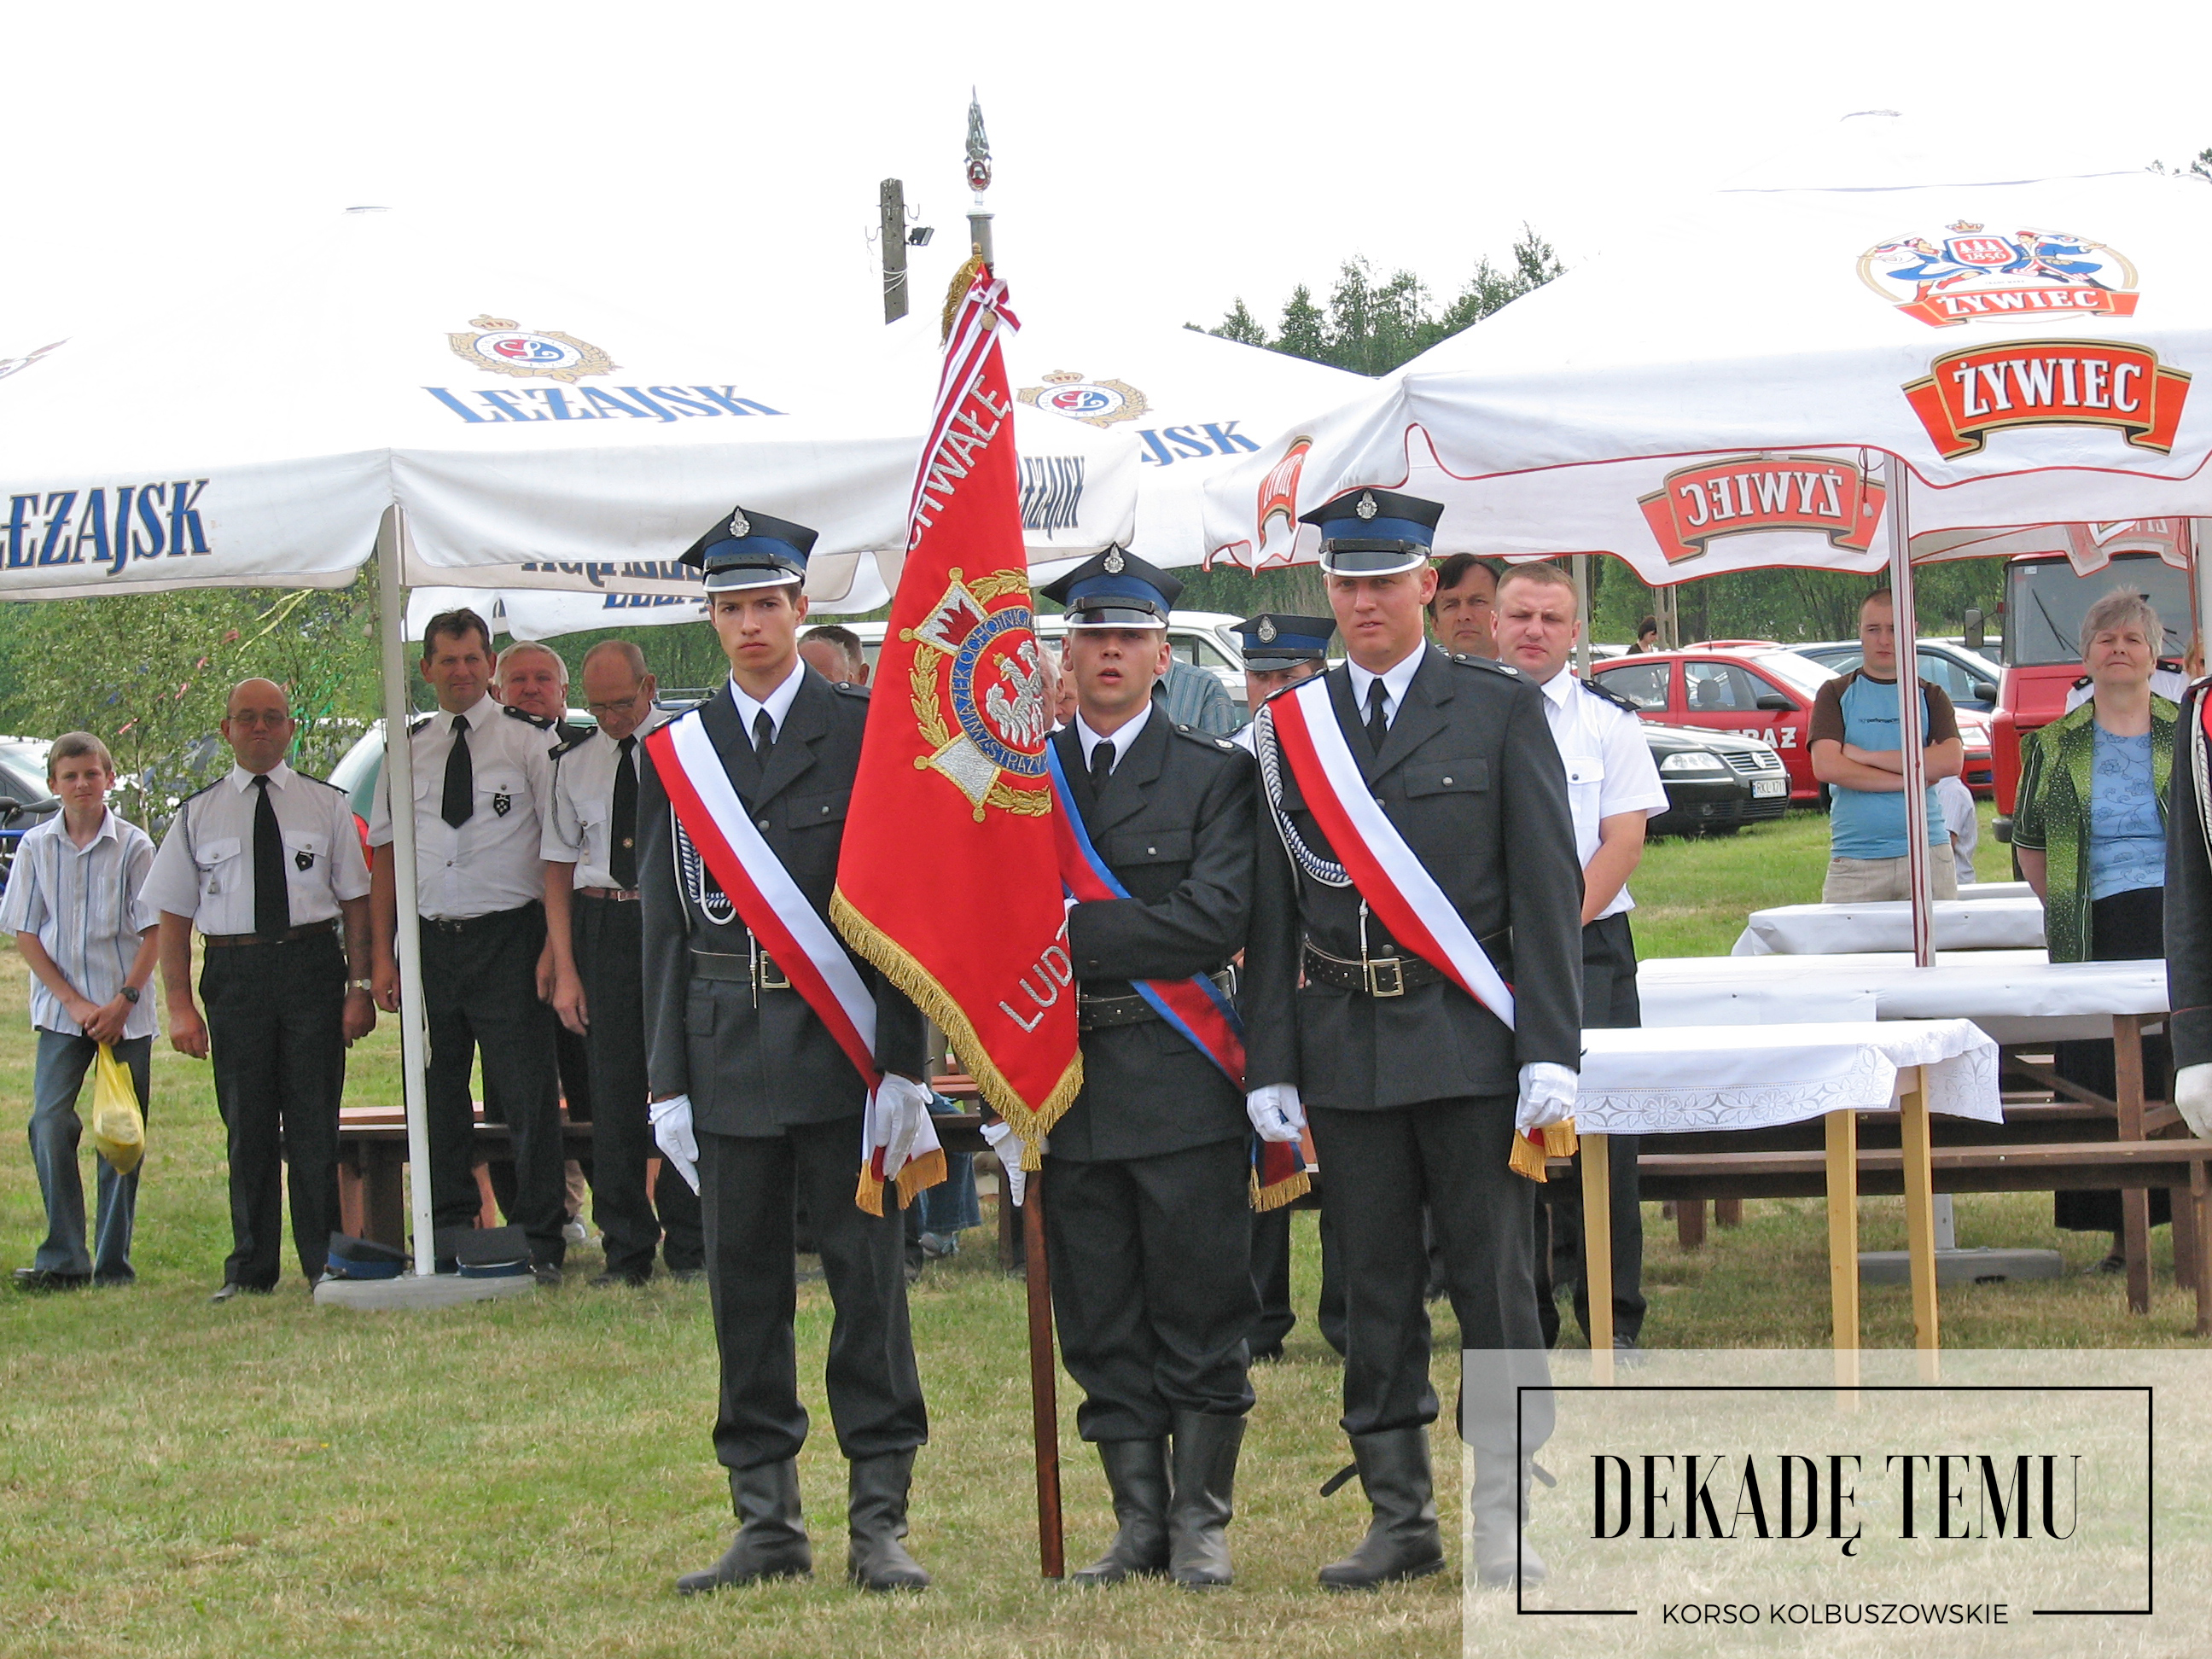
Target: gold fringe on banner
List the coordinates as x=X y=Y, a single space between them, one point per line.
x=924 y=1171
x=1286 y=1191
x=1529 y=1159
x=962 y=280
x=1029 y=1124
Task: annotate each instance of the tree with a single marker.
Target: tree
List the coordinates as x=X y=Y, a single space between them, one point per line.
x=2200 y=168
x=1240 y=324
x=1304 y=331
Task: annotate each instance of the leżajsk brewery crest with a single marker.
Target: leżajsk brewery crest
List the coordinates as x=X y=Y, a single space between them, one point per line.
x=982 y=693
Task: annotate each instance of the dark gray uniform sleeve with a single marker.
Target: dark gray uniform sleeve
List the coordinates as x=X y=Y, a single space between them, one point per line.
x=1544 y=889
x=2189 y=895
x=901 y=1036
x=1201 y=924
x=667 y=937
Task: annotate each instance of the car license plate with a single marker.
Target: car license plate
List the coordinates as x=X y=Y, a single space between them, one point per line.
x=1766 y=788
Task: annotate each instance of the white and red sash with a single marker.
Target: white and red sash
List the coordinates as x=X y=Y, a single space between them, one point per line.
x=1387 y=871
x=791 y=930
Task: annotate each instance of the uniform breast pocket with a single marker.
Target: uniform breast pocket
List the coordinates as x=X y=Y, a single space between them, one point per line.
x=817 y=822
x=499 y=792
x=1585 y=770
x=307 y=849
x=1146 y=847
x=215 y=859
x=1467 y=776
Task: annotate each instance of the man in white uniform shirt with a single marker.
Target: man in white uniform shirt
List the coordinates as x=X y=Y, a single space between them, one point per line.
x=1612 y=788
x=592 y=918
x=483 y=788
x=265 y=863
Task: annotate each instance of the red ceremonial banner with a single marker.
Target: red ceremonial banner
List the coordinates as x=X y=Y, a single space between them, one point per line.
x=949 y=879
x=1966 y=395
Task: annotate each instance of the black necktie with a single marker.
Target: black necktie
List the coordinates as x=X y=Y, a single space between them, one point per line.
x=764 y=735
x=272 y=902
x=622 y=834
x=459 y=804
x=1378 y=727
x=1101 y=762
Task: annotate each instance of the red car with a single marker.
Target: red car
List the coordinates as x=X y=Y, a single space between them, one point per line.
x=1754 y=687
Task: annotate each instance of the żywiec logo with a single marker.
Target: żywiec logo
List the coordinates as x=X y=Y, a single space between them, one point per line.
x=1739 y=494
x=502 y=346
x=1095 y=402
x=1279 y=496
x=991 y=722
x=1965 y=395
x=1974 y=273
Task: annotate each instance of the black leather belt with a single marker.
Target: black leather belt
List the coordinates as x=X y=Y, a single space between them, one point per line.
x=1100 y=1013
x=312 y=930
x=758 y=971
x=1382 y=976
x=490 y=919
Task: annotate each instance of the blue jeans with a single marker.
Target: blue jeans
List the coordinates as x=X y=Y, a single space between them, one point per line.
x=55 y=1131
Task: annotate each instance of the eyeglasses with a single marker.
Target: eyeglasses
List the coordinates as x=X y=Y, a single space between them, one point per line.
x=619 y=706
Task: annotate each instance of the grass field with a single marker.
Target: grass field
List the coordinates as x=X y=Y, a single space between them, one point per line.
x=267 y=1478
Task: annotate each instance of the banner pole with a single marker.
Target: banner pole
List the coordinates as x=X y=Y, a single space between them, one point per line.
x=1044 y=1389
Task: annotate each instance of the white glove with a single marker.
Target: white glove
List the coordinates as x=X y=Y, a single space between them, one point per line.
x=2192 y=1097
x=671 y=1132
x=1548 y=1094
x=1008 y=1146
x=901 y=1107
x=1275 y=1111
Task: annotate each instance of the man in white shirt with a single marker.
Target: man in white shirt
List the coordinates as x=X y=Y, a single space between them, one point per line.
x=484 y=785
x=592 y=918
x=264 y=863
x=1612 y=788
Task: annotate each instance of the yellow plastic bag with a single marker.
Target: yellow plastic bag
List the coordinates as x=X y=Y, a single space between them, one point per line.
x=118 y=1133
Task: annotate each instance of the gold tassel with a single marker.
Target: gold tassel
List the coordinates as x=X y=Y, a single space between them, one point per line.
x=1282 y=1192
x=919 y=1173
x=1529 y=1159
x=962 y=280
x=1560 y=1140
x=869 y=1194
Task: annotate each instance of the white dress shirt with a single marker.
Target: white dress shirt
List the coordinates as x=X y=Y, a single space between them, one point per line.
x=492 y=862
x=87 y=906
x=205 y=870
x=582 y=823
x=778 y=703
x=1395 y=679
x=1609 y=766
x=1119 y=741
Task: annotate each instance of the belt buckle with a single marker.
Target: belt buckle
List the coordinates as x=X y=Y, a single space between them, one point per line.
x=767 y=976
x=1386 y=976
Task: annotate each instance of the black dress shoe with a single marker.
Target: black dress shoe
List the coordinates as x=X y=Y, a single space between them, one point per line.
x=608 y=1281
x=547 y=1274
x=232 y=1290
x=45 y=1279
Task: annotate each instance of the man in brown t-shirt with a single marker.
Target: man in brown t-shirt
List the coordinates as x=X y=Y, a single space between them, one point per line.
x=1856 y=753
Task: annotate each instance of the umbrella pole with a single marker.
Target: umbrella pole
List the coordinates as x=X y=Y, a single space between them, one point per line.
x=1912 y=738
x=399 y=783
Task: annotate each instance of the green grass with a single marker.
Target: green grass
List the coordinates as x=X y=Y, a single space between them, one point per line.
x=267 y=1478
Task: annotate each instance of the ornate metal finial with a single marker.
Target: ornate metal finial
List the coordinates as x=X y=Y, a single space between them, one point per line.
x=979 y=147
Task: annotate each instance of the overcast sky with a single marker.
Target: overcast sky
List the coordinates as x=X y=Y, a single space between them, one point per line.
x=1154 y=160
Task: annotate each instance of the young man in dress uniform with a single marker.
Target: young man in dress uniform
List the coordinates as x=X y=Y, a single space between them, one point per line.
x=1281 y=650
x=1414 y=1089
x=1149 y=1223
x=265 y=864
x=484 y=785
x=592 y=918
x=751 y=1086
x=1613 y=789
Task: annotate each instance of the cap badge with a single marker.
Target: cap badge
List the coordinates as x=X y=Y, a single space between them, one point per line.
x=1366 y=510
x=1266 y=630
x=740 y=525
x=1116 y=564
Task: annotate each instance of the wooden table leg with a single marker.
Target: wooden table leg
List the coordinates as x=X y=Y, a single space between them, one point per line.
x=1690 y=1223
x=384 y=1193
x=2200 y=1208
x=1920 y=1218
x=2185 y=1242
x=1727 y=1212
x=2134 y=1201
x=1843 y=1129
x=1597 y=1251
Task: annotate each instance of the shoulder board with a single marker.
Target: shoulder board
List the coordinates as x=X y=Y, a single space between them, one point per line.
x=196 y=794
x=2082 y=684
x=574 y=739
x=847 y=689
x=420 y=721
x=1285 y=691
x=2171 y=664
x=538 y=720
x=1203 y=739
x=1489 y=663
x=311 y=778
x=1607 y=695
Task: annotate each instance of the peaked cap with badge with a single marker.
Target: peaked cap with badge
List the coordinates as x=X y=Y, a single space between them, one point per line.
x=1274 y=641
x=1375 y=532
x=1116 y=589
x=751 y=549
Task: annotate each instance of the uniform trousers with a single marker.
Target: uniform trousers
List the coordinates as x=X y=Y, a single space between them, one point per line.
x=480 y=993
x=1271 y=1281
x=609 y=937
x=55 y=1131
x=1609 y=1002
x=1152 y=1285
x=276 y=1038
x=747 y=1187
x=1377 y=1167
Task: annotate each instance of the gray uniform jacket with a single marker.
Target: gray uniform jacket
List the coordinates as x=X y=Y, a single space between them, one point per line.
x=2188 y=889
x=1470 y=777
x=756 y=1063
x=1175 y=825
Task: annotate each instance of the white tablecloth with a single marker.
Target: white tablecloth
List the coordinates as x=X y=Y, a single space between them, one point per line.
x=2009 y=922
x=1658 y=1081
x=2015 y=996
x=1973 y=891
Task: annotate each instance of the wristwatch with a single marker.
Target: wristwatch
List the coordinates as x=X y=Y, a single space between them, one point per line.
x=130 y=995
x=360 y=985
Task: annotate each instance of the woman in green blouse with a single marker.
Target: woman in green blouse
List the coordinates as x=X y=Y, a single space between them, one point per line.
x=2090 y=834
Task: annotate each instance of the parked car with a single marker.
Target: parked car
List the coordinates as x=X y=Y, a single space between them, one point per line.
x=1968 y=679
x=1715 y=782
x=25 y=801
x=1749 y=687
